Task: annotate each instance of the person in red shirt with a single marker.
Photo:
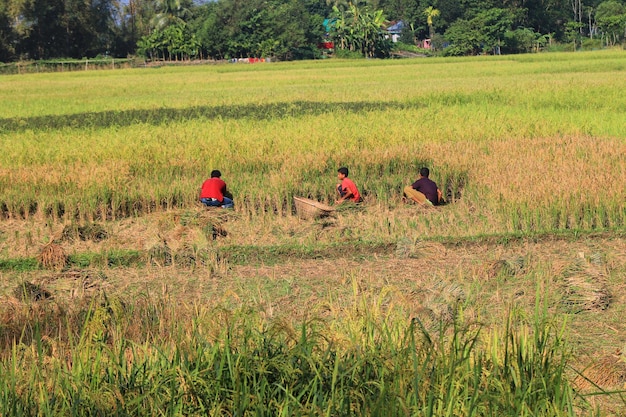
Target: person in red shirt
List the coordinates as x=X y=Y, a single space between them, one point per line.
x=347 y=188
x=213 y=192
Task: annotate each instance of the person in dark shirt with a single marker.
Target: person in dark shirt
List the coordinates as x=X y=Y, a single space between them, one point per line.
x=424 y=191
x=213 y=192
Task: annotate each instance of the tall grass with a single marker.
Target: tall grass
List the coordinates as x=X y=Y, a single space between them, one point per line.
x=528 y=143
x=158 y=358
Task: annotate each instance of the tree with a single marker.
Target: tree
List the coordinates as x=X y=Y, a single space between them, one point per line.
x=483 y=33
x=7 y=34
x=135 y=21
x=89 y=27
x=174 y=42
x=283 y=29
x=464 y=37
x=399 y=9
x=523 y=40
x=41 y=31
x=611 y=20
x=63 y=28
x=361 y=30
x=293 y=32
x=546 y=16
x=317 y=7
x=170 y=12
x=212 y=34
x=430 y=14
x=573 y=32
x=344 y=5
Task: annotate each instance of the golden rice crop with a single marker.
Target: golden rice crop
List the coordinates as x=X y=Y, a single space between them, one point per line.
x=536 y=143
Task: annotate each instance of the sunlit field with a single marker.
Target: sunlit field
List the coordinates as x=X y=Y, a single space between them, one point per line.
x=535 y=143
x=121 y=295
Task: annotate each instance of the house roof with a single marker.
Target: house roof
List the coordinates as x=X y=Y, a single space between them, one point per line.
x=396 y=27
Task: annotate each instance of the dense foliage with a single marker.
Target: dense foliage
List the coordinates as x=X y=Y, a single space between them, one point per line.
x=292 y=29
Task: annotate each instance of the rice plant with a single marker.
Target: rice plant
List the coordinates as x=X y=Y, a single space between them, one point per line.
x=485 y=127
x=115 y=358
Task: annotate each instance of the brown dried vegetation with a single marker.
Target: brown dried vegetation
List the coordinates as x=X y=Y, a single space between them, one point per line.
x=607 y=373
x=52 y=256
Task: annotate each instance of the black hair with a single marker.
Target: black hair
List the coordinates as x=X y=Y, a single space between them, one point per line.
x=215 y=174
x=424 y=172
x=343 y=170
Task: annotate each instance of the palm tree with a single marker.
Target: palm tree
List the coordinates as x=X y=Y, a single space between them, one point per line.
x=430 y=13
x=170 y=12
x=344 y=5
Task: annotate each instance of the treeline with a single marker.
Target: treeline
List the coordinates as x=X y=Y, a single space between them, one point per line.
x=292 y=29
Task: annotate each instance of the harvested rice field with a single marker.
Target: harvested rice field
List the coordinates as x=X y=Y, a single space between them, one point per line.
x=121 y=294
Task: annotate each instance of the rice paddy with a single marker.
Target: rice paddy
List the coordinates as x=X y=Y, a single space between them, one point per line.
x=121 y=295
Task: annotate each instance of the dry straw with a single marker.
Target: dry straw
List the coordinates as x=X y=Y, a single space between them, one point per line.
x=410 y=248
x=160 y=255
x=53 y=256
x=27 y=291
x=439 y=303
x=515 y=265
x=209 y=219
x=190 y=255
x=607 y=373
x=585 y=287
x=80 y=283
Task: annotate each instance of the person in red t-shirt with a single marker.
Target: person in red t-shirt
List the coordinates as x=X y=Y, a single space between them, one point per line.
x=213 y=192
x=347 y=188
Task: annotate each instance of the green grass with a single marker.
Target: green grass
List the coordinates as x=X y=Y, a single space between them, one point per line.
x=272 y=254
x=23 y=264
x=111 y=259
x=236 y=363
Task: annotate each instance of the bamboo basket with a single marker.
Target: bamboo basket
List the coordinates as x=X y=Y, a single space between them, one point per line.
x=311 y=209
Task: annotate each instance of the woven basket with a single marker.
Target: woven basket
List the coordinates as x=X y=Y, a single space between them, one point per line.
x=311 y=209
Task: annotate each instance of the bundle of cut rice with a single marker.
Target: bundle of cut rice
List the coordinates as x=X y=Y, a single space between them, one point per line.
x=52 y=256
x=607 y=373
x=440 y=304
x=160 y=255
x=584 y=292
x=409 y=248
x=27 y=291
x=512 y=266
x=585 y=286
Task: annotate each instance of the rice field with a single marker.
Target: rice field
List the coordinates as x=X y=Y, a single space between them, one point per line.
x=120 y=295
x=535 y=143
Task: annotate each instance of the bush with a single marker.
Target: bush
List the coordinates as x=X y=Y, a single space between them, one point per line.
x=401 y=46
x=347 y=54
x=592 y=44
